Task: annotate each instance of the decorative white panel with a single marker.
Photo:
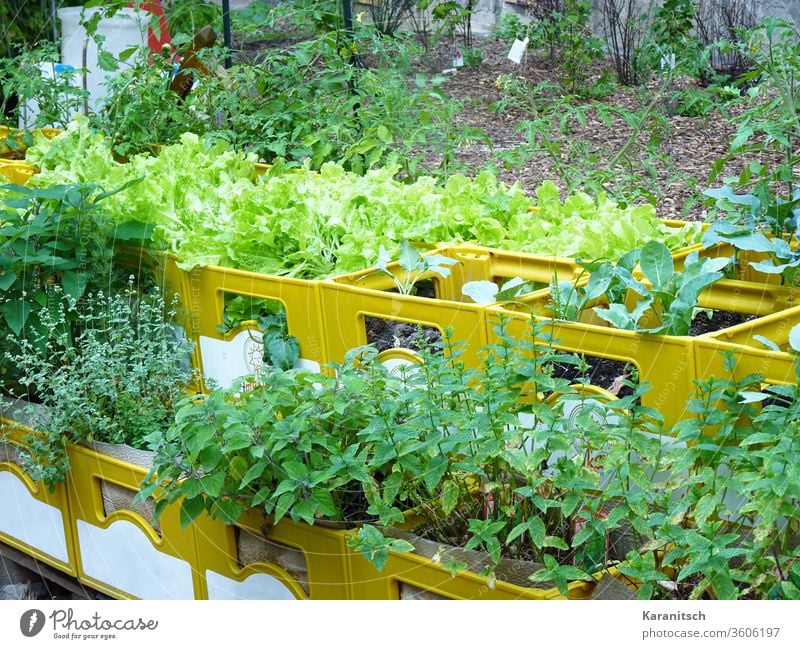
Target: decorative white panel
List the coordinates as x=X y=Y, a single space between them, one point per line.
x=29 y=520
x=259 y=586
x=122 y=556
x=225 y=361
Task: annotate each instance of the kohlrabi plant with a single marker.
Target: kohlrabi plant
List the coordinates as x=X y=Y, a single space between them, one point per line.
x=672 y=296
x=486 y=292
x=415 y=266
x=780 y=257
x=568 y=300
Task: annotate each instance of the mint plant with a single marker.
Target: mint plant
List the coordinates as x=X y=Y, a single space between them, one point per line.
x=442 y=441
x=731 y=525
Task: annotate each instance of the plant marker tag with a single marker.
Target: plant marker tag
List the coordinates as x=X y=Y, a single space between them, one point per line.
x=668 y=61
x=458 y=60
x=517 y=50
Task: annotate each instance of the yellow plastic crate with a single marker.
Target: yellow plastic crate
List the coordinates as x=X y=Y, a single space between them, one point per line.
x=347 y=301
x=119 y=551
x=224 y=357
x=411 y=576
x=477 y=263
x=294 y=561
x=346 y=308
x=33 y=518
x=752 y=356
x=6 y=132
x=667 y=363
x=18 y=173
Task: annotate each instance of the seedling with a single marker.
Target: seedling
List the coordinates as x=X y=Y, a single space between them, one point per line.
x=415 y=265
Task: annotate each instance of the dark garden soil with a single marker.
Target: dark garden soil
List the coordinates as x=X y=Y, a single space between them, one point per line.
x=719 y=320
x=603 y=372
x=392 y=334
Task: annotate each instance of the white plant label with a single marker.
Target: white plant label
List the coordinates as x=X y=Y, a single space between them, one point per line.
x=517 y=50
x=458 y=59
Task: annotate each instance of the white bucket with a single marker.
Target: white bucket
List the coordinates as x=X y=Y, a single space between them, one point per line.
x=126 y=29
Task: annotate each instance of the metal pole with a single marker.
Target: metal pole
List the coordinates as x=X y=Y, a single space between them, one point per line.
x=347 y=23
x=347 y=16
x=55 y=20
x=226 y=31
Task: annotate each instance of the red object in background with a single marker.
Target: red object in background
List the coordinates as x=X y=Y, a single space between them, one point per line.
x=155 y=41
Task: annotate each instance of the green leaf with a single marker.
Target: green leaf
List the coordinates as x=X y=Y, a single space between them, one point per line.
x=133 y=230
x=705 y=507
x=493 y=548
x=434 y=472
x=212 y=484
x=480 y=291
x=209 y=458
x=200 y=436
x=384 y=135
x=16 y=314
x=106 y=61
x=254 y=472
x=7 y=278
x=743 y=134
x=401 y=546
x=125 y=54
x=656 y=264
x=769 y=344
x=518 y=531
x=283 y=505
x=74 y=283
x=230 y=510
x=618 y=316
x=410 y=258
x=723 y=585
x=599 y=281
x=450 y=494
x=745 y=396
x=513 y=288
x=191 y=508
x=554 y=542
x=282 y=352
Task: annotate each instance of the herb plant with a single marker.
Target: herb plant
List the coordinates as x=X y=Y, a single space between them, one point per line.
x=117 y=381
x=32 y=78
x=731 y=525
x=62 y=238
x=442 y=441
